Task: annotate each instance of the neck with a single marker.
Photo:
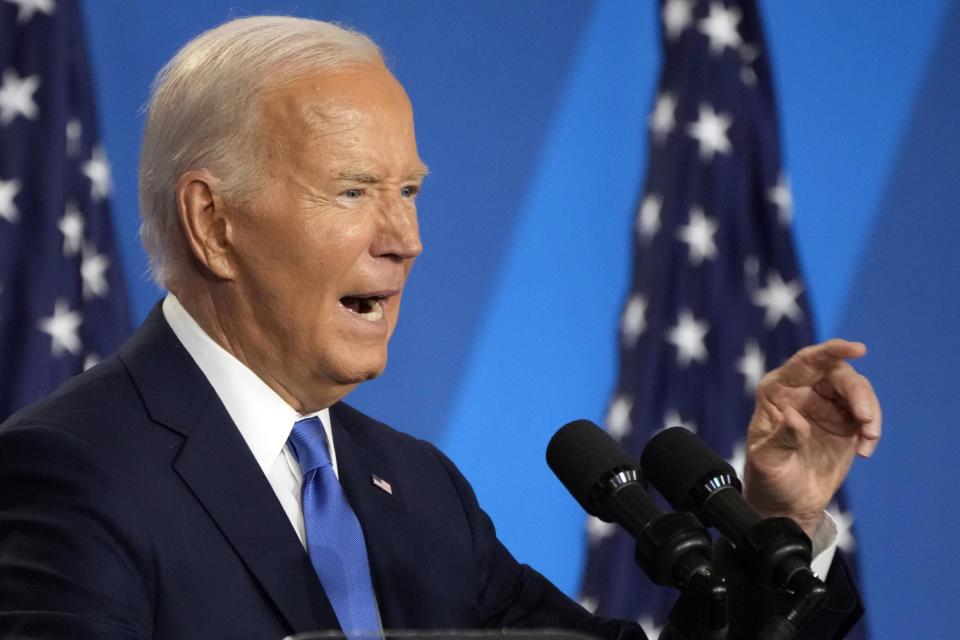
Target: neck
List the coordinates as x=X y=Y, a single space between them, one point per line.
x=234 y=330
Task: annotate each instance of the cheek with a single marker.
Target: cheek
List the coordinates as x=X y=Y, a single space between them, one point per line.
x=336 y=238
x=314 y=259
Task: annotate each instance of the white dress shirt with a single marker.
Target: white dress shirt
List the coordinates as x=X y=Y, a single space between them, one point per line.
x=263 y=418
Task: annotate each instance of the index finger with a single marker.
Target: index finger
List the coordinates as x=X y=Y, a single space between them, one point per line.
x=810 y=364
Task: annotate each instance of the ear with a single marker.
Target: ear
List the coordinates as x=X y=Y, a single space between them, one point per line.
x=205 y=221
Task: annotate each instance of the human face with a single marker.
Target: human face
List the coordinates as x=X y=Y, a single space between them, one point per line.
x=322 y=252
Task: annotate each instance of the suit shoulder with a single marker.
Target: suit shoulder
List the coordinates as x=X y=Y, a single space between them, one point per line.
x=362 y=427
x=386 y=442
x=105 y=388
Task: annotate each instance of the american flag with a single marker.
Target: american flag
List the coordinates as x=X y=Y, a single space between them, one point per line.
x=63 y=302
x=717 y=296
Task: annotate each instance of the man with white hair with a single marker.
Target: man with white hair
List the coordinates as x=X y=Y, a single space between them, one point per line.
x=207 y=481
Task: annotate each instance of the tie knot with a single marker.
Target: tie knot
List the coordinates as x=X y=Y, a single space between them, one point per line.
x=308 y=443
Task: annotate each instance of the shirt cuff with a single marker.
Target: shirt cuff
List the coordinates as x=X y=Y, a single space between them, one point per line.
x=824 y=545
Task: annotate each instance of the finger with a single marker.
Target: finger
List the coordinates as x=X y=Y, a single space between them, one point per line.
x=856 y=392
x=825 y=390
x=809 y=365
x=867 y=443
x=795 y=430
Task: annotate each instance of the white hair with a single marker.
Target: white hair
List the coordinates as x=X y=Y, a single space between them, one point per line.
x=205 y=108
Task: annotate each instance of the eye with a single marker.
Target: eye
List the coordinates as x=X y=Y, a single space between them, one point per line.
x=353 y=193
x=409 y=191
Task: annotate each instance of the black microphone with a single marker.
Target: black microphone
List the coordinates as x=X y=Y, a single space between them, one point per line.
x=673 y=549
x=775 y=551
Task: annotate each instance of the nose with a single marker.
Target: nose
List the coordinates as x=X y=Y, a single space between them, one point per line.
x=399 y=233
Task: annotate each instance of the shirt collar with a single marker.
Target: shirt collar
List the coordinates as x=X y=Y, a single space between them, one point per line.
x=263 y=418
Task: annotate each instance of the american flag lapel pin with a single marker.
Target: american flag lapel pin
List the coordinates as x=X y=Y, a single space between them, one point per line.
x=381 y=483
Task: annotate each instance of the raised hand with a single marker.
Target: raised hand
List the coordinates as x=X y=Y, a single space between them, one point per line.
x=812 y=415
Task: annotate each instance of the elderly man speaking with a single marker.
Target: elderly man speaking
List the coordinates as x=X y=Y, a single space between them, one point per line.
x=208 y=482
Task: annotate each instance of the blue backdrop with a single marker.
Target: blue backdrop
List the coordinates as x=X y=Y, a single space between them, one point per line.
x=531 y=116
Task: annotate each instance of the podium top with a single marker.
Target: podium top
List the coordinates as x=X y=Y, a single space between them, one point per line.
x=452 y=634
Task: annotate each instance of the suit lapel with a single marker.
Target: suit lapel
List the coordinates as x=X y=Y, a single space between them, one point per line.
x=224 y=476
x=383 y=514
x=222 y=473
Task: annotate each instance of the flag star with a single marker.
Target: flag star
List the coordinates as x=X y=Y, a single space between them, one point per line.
x=29 y=7
x=618 y=417
x=738 y=458
x=634 y=319
x=672 y=419
x=698 y=235
x=648 y=222
x=598 y=530
x=844 y=520
x=779 y=298
x=752 y=365
x=8 y=191
x=710 y=130
x=93 y=265
x=688 y=337
x=662 y=119
x=71 y=226
x=779 y=195
x=74 y=131
x=98 y=170
x=16 y=97
x=677 y=16
x=62 y=327
x=91 y=360
x=720 y=26
x=651 y=629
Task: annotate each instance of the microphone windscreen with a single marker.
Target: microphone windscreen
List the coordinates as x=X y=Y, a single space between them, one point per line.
x=675 y=460
x=582 y=455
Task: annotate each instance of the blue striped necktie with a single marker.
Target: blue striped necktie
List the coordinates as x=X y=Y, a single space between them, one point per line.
x=334 y=539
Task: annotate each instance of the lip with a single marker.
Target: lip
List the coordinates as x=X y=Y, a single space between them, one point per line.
x=384 y=294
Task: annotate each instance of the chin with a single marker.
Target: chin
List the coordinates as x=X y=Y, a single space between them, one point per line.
x=355 y=372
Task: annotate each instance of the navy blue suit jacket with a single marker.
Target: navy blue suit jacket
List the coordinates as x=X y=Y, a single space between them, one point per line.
x=131 y=507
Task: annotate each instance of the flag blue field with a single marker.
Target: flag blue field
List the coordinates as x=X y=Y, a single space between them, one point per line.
x=63 y=301
x=717 y=296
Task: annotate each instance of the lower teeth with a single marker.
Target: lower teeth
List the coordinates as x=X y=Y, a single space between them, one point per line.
x=374 y=311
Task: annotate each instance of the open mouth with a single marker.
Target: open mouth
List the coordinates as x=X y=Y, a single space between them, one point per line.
x=369 y=308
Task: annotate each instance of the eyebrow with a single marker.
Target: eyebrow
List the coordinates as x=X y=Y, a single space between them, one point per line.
x=364 y=177
x=422 y=172
x=358 y=176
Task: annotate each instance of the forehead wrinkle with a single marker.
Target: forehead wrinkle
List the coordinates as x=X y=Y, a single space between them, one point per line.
x=331 y=112
x=319 y=124
x=291 y=123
